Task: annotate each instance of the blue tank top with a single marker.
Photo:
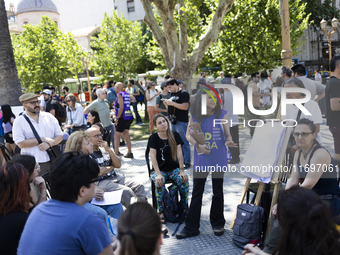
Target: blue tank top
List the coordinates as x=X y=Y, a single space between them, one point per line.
x=328 y=182
x=127 y=114
x=214 y=136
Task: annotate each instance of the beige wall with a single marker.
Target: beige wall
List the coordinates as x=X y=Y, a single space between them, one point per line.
x=35 y=17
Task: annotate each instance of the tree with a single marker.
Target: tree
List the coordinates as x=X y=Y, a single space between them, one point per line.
x=117 y=47
x=10 y=88
x=252 y=38
x=183 y=48
x=318 y=11
x=45 y=56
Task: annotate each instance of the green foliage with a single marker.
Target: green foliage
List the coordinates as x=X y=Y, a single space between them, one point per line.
x=117 y=48
x=326 y=10
x=252 y=38
x=45 y=56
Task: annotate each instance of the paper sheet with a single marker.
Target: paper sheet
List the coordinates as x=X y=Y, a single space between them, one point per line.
x=110 y=198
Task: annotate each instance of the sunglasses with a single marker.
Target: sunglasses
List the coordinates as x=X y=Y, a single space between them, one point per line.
x=302 y=134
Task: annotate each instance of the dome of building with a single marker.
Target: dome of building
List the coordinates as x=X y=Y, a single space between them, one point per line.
x=36 y=5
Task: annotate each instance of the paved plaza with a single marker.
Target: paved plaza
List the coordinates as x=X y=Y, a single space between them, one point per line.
x=205 y=243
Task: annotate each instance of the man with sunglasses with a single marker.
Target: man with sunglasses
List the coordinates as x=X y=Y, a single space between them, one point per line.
x=45 y=124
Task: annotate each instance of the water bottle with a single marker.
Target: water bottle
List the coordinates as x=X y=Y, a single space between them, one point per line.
x=228 y=154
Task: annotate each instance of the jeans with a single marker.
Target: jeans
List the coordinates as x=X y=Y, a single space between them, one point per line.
x=113 y=210
x=183 y=188
x=181 y=129
x=192 y=222
x=112 y=128
x=135 y=110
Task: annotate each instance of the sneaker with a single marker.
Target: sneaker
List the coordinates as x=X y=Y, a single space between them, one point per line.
x=122 y=143
x=129 y=155
x=219 y=231
x=183 y=234
x=140 y=124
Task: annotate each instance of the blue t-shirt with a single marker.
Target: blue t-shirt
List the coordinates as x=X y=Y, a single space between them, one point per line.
x=56 y=227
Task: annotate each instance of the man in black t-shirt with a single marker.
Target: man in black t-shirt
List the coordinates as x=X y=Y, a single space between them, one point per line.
x=51 y=104
x=178 y=105
x=332 y=95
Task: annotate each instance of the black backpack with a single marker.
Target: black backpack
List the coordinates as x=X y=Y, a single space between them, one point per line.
x=248 y=225
x=61 y=114
x=173 y=210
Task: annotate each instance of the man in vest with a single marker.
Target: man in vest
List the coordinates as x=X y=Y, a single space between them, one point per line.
x=123 y=119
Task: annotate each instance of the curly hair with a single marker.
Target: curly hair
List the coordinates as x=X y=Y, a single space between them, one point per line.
x=74 y=142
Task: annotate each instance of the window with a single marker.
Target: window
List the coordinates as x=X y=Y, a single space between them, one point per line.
x=131 y=5
x=25 y=22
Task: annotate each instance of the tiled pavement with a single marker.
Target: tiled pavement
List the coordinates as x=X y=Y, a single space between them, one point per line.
x=205 y=243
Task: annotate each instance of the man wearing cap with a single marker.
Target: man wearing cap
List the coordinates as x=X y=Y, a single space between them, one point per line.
x=159 y=106
x=315 y=88
x=46 y=126
x=51 y=104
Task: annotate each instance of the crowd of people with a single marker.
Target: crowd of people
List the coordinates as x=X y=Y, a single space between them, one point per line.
x=68 y=223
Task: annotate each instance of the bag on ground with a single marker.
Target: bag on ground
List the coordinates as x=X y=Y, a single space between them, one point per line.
x=173 y=210
x=248 y=225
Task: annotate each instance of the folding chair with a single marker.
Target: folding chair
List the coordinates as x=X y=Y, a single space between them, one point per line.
x=153 y=186
x=5 y=153
x=46 y=177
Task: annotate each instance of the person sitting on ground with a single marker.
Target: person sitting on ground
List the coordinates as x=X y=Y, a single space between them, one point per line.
x=139 y=231
x=14 y=205
x=165 y=150
x=61 y=225
x=314 y=166
x=307 y=226
x=33 y=168
x=80 y=142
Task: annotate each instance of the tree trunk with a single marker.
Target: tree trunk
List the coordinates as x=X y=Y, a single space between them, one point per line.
x=174 y=44
x=10 y=87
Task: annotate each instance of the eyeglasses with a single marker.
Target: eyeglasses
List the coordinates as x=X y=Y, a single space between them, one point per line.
x=257 y=76
x=97 y=136
x=95 y=181
x=34 y=102
x=303 y=134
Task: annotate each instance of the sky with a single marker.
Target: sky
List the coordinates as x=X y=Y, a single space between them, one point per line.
x=15 y=2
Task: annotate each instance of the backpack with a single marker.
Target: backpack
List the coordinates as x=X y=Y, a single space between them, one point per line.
x=61 y=115
x=248 y=225
x=173 y=210
x=111 y=95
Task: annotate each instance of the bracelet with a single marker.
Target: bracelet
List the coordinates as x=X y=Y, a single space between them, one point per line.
x=181 y=168
x=42 y=195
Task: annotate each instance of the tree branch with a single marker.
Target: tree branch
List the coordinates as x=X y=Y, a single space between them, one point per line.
x=211 y=35
x=183 y=32
x=151 y=21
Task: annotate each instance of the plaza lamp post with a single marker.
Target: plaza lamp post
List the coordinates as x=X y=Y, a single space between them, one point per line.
x=86 y=61
x=323 y=25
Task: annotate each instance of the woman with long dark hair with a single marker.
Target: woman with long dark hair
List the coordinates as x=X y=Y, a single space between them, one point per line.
x=314 y=168
x=7 y=124
x=214 y=154
x=165 y=149
x=139 y=230
x=94 y=119
x=307 y=226
x=14 y=205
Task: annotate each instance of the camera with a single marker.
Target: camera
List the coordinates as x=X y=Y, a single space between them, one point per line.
x=173 y=119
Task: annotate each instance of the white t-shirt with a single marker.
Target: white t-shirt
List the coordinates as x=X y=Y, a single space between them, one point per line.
x=228 y=106
x=151 y=94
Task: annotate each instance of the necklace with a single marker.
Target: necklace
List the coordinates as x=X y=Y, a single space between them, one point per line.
x=305 y=155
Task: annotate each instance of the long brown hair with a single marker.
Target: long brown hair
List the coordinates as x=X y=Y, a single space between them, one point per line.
x=139 y=229
x=170 y=135
x=72 y=98
x=14 y=188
